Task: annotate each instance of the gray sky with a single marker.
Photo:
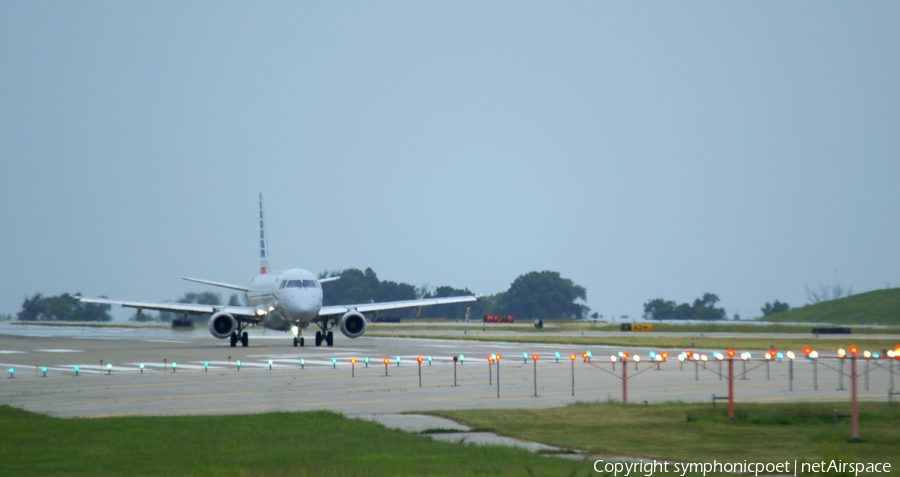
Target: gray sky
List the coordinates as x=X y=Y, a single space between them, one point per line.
x=641 y=149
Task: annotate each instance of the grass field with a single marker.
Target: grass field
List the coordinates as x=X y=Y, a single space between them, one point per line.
x=696 y=433
x=324 y=443
x=288 y=444
x=668 y=327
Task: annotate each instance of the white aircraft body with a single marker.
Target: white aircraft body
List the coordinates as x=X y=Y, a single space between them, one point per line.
x=282 y=301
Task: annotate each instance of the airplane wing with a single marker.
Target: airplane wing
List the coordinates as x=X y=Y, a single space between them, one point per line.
x=329 y=279
x=394 y=305
x=243 y=313
x=217 y=284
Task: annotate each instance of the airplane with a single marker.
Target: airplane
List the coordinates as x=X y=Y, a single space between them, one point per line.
x=283 y=301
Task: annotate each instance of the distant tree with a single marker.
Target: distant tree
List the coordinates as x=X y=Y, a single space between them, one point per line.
x=704 y=308
x=452 y=310
x=826 y=293
x=143 y=317
x=776 y=307
x=65 y=307
x=235 y=301
x=6 y=317
x=545 y=295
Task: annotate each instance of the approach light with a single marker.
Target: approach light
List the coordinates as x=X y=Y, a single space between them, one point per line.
x=651 y=354
x=890 y=353
x=791 y=355
x=745 y=355
x=780 y=355
x=637 y=358
x=658 y=358
x=807 y=349
x=703 y=358
x=730 y=352
x=841 y=353
x=613 y=358
x=696 y=356
x=681 y=357
x=876 y=355
x=813 y=354
x=719 y=356
x=768 y=356
x=589 y=354
x=867 y=354
x=853 y=350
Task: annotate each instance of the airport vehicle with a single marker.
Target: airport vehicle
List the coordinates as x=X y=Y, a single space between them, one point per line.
x=284 y=301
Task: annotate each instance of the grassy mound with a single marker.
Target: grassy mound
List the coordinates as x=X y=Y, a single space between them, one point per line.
x=879 y=307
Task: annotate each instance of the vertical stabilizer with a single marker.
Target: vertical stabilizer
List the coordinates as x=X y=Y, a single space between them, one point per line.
x=263 y=245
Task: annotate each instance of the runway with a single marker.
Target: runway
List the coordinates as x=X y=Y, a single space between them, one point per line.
x=193 y=373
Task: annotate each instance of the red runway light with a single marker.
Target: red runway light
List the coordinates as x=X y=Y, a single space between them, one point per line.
x=773 y=352
x=853 y=349
x=386 y=361
x=807 y=349
x=572 y=356
x=665 y=354
x=419 y=359
x=688 y=353
x=534 y=357
x=624 y=355
x=730 y=353
x=352 y=360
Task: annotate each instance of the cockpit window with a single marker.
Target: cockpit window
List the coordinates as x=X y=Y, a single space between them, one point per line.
x=295 y=283
x=282 y=284
x=309 y=284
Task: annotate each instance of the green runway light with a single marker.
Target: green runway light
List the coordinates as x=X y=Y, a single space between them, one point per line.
x=302 y=363
x=462 y=359
x=398 y=360
x=77 y=368
x=206 y=366
x=141 y=366
x=174 y=365
x=44 y=371
x=238 y=364
x=366 y=360
x=429 y=359
x=334 y=363
x=11 y=372
x=108 y=368
x=270 y=364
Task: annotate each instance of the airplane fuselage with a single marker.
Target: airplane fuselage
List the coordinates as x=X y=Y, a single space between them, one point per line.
x=290 y=298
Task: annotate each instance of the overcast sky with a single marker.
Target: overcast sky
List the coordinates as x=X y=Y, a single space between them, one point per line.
x=642 y=149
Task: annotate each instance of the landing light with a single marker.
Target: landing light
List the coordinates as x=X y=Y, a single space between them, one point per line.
x=295 y=331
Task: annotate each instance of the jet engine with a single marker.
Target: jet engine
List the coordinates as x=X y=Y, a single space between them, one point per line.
x=221 y=325
x=353 y=324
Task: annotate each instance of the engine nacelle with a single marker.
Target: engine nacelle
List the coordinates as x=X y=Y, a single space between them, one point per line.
x=222 y=324
x=353 y=324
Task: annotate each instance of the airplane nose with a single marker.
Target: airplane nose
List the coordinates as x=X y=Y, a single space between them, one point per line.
x=299 y=305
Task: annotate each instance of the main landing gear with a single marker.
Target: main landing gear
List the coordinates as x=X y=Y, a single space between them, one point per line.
x=239 y=336
x=328 y=338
